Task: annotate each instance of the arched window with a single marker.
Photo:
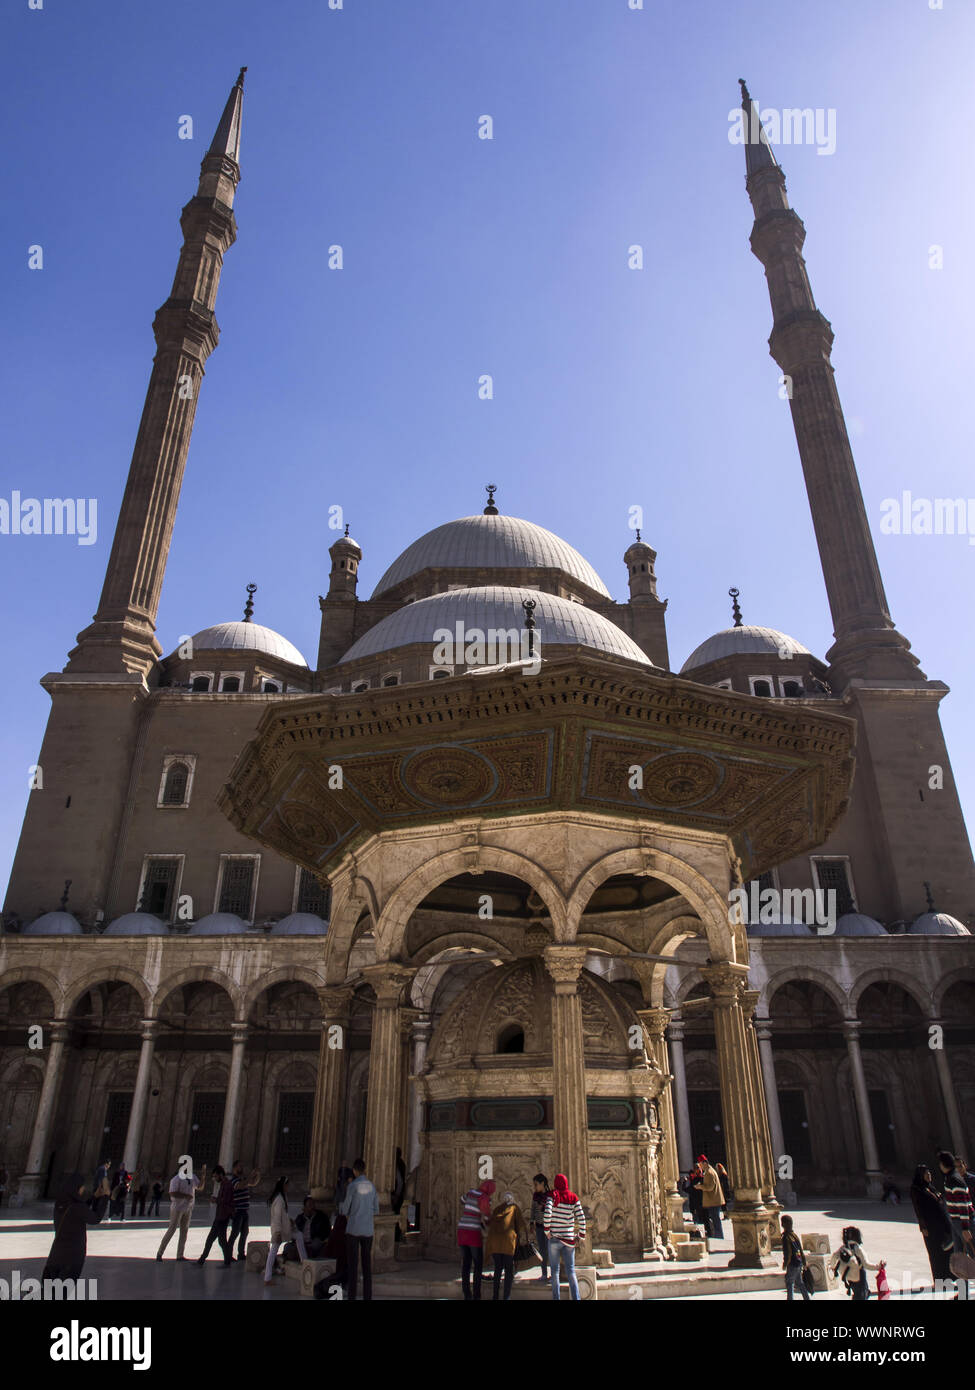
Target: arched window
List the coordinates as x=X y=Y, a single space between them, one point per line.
x=230 y=685
x=359 y=687
x=201 y=684
x=174 y=791
x=763 y=688
x=511 y=1039
x=440 y=672
x=391 y=680
x=271 y=688
x=791 y=689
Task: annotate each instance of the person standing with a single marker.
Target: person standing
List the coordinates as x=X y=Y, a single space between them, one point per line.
x=712 y=1198
x=793 y=1260
x=182 y=1195
x=505 y=1229
x=120 y=1190
x=360 y=1207
x=958 y=1205
x=565 y=1223
x=345 y=1176
x=240 y=1224
x=726 y=1188
x=693 y=1190
x=475 y=1213
x=72 y=1217
x=859 y=1264
x=156 y=1198
x=399 y=1189
x=223 y=1196
x=536 y=1215
x=933 y=1221
x=282 y=1228
x=140 y=1191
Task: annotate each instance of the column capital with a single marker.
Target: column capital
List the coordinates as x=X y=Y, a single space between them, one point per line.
x=564 y=964
x=408 y=1017
x=239 y=1033
x=59 y=1029
x=763 y=1028
x=655 y=1022
x=851 y=1029
x=335 y=1001
x=149 y=1028
x=675 y=1028
x=749 y=1003
x=388 y=979
x=726 y=982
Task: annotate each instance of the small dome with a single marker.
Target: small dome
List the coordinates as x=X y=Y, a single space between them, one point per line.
x=937 y=924
x=744 y=641
x=347 y=543
x=218 y=924
x=558 y=622
x=778 y=929
x=247 y=637
x=859 y=924
x=490 y=542
x=53 y=924
x=137 y=924
x=300 y=924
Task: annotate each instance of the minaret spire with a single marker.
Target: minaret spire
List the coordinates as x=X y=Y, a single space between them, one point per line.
x=122 y=637
x=867 y=644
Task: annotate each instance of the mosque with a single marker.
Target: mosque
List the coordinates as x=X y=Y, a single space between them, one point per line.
x=481 y=911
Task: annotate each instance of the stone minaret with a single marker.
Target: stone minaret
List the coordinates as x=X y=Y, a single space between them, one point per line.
x=867 y=644
x=122 y=637
x=905 y=812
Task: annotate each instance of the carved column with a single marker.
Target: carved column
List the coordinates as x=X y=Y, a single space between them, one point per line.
x=383 y=1102
x=655 y=1023
x=333 y=1061
x=743 y=1118
x=948 y=1091
x=749 y=1001
x=30 y=1185
x=763 y=1032
x=851 y=1031
x=421 y=1030
x=140 y=1096
x=231 y=1110
x=682 y=1114
x=570 y=1138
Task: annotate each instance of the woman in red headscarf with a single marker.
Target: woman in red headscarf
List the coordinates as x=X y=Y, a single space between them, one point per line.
x=565 y=1223
x=476 y=1211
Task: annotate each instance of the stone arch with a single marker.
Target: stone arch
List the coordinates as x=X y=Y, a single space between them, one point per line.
x=282 y=974
x=885 y=974
x=701 y=894
x=195 y=975
x=26 y=1059
x=468 y=941
x=667 y=942
x=107 y=975
x=790 y=973
x=350 y=898
x=964 y=974
x=392 y=924
x=36 y=975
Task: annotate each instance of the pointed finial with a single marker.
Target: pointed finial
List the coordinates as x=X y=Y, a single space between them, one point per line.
x=735 y=610
x=64 y=895
x=638 y=533
x=249 y=605
x=927 y=894
x=529 y=605
x=346 y=528
x=491 y=509
x=240 y=78
x=758 y=151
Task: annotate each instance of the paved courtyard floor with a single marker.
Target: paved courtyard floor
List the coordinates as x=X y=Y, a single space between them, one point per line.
x=121 y=1256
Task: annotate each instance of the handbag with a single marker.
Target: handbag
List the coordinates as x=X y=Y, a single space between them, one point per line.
x=961 y=1265
x=808 y=1282
x=527 y=1255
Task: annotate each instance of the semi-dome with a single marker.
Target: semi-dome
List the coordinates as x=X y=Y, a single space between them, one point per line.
x=300 y=924
x=218 y=924
x=53 y=924
x=247 y=637
x=937 y=924
x=137 y=924
x=859 y=924
x=558 y=622
x=744 y=641
x=490 y=542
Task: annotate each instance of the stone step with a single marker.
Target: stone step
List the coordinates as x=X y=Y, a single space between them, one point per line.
x=691 y=1250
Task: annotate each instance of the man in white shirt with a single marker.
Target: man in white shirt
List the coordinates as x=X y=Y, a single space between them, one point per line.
x=182 y=1196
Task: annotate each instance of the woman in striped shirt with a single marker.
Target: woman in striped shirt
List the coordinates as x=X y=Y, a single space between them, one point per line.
x=565 y=1223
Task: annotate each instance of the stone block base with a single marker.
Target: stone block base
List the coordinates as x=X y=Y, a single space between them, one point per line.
x=753 y=1245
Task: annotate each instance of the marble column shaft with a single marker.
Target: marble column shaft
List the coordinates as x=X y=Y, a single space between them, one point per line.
x=385 y=1068
x=851 y=1030
x=571 y=1122
x=333 y=1062
x=948 y=1092
x=231 y=1110
x=685 y=1144
x=140 y=1097
x=30 y=1184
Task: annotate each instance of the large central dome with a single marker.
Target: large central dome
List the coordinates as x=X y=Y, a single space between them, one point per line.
x=490 y=542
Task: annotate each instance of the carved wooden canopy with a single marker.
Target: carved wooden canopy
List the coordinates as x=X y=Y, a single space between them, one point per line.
x=325 y=773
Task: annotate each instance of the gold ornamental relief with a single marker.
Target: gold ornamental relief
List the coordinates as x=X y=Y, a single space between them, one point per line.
x=679 y=779
x=449 y=776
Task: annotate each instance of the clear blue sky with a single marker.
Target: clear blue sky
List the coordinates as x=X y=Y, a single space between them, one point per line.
x=358 y=388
